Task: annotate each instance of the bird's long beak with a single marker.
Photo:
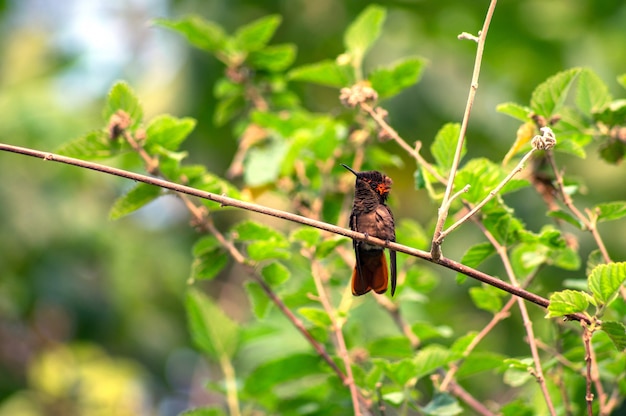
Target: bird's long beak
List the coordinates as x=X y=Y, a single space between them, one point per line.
x=350 y=169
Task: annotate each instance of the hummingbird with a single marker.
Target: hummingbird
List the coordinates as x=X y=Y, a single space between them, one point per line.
x=372 y=217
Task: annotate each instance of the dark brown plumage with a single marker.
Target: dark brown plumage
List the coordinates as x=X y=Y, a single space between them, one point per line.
x=370 y=215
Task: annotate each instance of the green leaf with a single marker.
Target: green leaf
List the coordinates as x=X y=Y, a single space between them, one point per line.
x=122 y=97
x=167 y=132
x=444 y=146
x=206 y=244
x=594 y=259
x=610 y=211
x=605 y=280
x=548 y=97
x=425 y=331
x=483 y=176
x=443 y=404
x=487 y=298
x=612 y=151
x=328 y=246
x=200 y=33
x=93 y=146
x=256 y=35
x=411 y=233
x=518 y=373
x=204 y=411
x=261 y=303
x=363 y=32
x=316 y=316
x=227 y=109
x=592 y=94
x=268 y=250
x=249 y=230
x=429 y=359
x=273 y=58
x=479 y=362
x=142 y=194
x=621 y=79
x=210 y=183
x=272 y=374
x=515 y=110
x=567 y=217
x=391 y=347
x=617 y=332
x=328 y=73
x=308 y=236
x=567 y=302
x=401 y=371
x=262 y=163
x=207 y=265
x=391 y=80
x=275 y=273
x=474 y=256
x=211 y=330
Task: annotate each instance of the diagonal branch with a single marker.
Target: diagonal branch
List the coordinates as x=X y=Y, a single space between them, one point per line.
x=249 y=206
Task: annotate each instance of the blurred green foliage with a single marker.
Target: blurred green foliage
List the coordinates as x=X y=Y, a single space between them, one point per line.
x=85 y=301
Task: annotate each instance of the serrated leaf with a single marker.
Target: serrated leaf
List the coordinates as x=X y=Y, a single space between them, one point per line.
x=515 y=110
x=549 y=96
x=605 y=280
x=391 y=80
x=429 y=359
x=274 y=58
x=478 y=362
x=257 y=34
x=610 y=211
x=168 y=132
x=92 y=146
x=141 y=195
x=275 y=273
x=272 y=374
x=617 y=332
x=200 y=33
x=122 y=97
x=328 y=73
x=425 y=331
x=211 y=330
x=592 y=94
x=475 y=255
x=444 y=145
x=489 y=300
x=258 y=298
x=208 y=265
x=363 y=32
x=567 y=302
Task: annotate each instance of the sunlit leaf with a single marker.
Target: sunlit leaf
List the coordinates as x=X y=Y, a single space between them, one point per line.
x=257 y=34
x=272 y=374
x=363 y=32
x=93 y=146
x=274 y=58
x=605 y=280
x=275 y=273
x=610 y=211
x=617 y=332
x=201 y=33
x=168 y=132
x=261 y=303
x=328 y=73
x=592 y=93
x=389 y=81
x=515 y=110
x=122 y=97
x=444 y=145
x=567 y=302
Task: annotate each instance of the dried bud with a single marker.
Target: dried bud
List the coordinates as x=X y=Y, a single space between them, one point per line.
x=546 y=141
x=118 y=122
x=619 y=133
x=540 y=121
x=357 y=94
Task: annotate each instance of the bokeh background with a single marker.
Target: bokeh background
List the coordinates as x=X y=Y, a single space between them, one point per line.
x=81 y=295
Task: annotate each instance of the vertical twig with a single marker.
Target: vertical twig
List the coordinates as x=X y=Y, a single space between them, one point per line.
x=443 y=213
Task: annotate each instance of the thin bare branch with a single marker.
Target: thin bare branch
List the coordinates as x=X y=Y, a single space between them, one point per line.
x=443 y=213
